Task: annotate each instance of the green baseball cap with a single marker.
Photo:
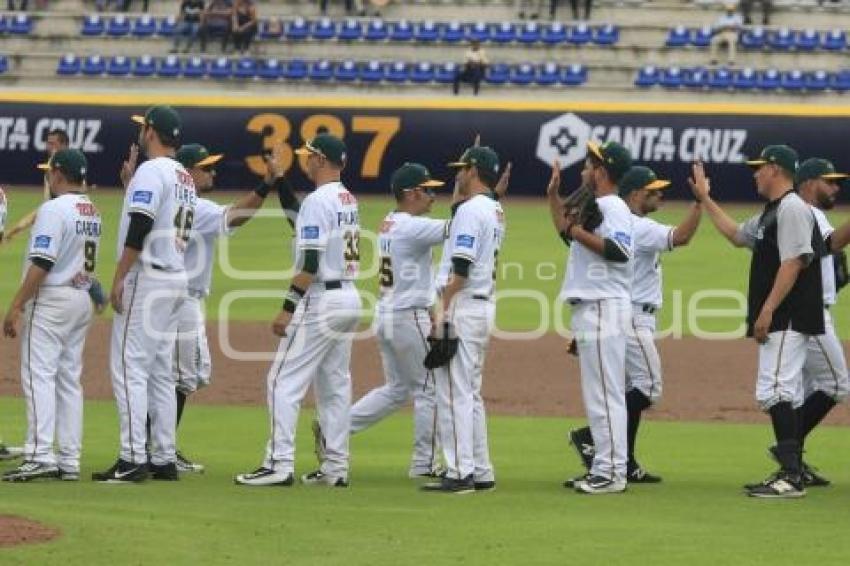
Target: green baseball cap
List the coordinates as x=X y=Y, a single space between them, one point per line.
x=163 y=119
x=410 y=176
x=640 y=177
x=196 y=155
x=816 y=168
x=615 y=158
x=330 y=147
x=782 y=155
x=71 y=162
x=481 y=157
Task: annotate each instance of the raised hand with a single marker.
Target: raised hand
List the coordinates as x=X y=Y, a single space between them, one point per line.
x=501 y=188
x=129 y=166
x=699 y=183
x=555 y=179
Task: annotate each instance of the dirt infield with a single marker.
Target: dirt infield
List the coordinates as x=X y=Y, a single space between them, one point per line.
x=704 y=380
x=16 y=530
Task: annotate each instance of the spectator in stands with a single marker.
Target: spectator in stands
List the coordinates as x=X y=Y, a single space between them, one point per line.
x=473 y=68
x=244 y=25
x=725 y=32
x=216 y=20
x=574 y=6
x=351 y=6
x=10 y=5
x=747 y=8
x=528 y=8
x=188 y=24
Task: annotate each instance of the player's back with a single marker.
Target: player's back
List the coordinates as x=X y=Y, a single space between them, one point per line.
x=650 y=238
x=476 y=234
x=329 y=222
x=210 y=222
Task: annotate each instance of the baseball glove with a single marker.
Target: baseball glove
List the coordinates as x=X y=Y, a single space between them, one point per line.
x=581 y=205
x=442 y=348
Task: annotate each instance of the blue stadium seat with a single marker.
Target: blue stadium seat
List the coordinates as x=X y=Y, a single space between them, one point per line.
x=816 y=81
x=68 y=65
x=647 y=76
x=497 y=74
x=220 y=68
x=295 y=70
x=4 y=64
x=608 y=34
x=840 y=81
x=768 y=80
x=169 y=67
x=321 y=70
x=118 y=66
x=269 y=69
x=397 y=72
x=446 y=73
x=671 y=78
x=144 y=26
x=453 y=33
x=807 y=40
x=94 y=65
x=580 y=34
x=195 y=68
x=144 y=66
x=118 y=26
x=298 y=29
x=548 y=74
x=372 y=72
x=755 y=38
x=167 y=26
x=781 y=40
x=835 y=40
x=246 y=68
x=574 y=75
x=529 y=33
x=679 y=36
x=504 y=33
x=702 y=37
x=479 y=31
x=402 y=31
x=792 y=81
x=351 y=30
x=4 y=24
x=324 y=29
x=427 y=32
x=346 y=72
x=422 y=73
x=720 y=79
x=554 y=33
x=20 y=24
x=695 y=78
x=271 y=29
x=745 y=79
x=522 y=74
x=377 y=30
x=93 y=25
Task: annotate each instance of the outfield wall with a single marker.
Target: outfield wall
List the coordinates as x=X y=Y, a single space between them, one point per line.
x=382 y=133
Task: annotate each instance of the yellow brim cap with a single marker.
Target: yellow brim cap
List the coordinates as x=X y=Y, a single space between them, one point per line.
x=756 y=162
x=593 y=147
x=432 y=183
x=657 y=185
x=138 y=119
x=210 y=160
x=457 y=164
x=835 y=176
x=43 y=166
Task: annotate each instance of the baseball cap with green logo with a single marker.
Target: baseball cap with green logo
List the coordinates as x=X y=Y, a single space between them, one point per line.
x=640 y=177
x=481 y=157
x=330 y=147
x=410 y=176
x=163 y=119
x=781 y=155
x=71 y=162
x=196 y=155
x=816 y=168
x=615 y=158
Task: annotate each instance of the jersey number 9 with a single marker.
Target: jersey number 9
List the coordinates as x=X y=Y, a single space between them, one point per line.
x=90 y=254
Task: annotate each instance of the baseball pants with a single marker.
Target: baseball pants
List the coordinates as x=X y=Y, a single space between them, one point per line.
x=825 y=368
x=54 y=332
x=402 y=339
x=192 y=365
x=601 y=328
x=460 y=408
x=316 y=350
x=141 y=359
x=643 y=365
x=780 y=371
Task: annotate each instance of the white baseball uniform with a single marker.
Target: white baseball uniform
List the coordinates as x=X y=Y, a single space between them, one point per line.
x=825 y=368
x=600 y=294
x=66 y=233
x=3 y=213
x=475 y=234
x=643 y=365
x=143 y=335
x=403 y=324
x=317 y=346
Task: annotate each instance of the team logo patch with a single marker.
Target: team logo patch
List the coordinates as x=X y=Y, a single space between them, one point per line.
x=465 y=241
x=143 y=197
x=41 y=242
x=309 y=232
x=623 y=238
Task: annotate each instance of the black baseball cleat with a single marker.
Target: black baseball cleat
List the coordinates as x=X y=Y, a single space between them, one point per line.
x=318 y=477
x=185 y=465
x=813 y=479
x=265 y=476
x=596 y=485
x=781 y=485
x=485 y=485
x=770 y=479
x=122 y=472
x=29 y=471
x=571 y=482
x=636 y=474
x=451 y=485
x=582 y=440
x=164 y=472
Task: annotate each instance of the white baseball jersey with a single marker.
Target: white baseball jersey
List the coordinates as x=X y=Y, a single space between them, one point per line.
x=651 y=238
x=827 y=266
x=590 y=276
x=3 y=212
x=163 y=190
x=476 y=234
x=405 y=242
x=210 y=222
x=66 y=232
x=329 y=222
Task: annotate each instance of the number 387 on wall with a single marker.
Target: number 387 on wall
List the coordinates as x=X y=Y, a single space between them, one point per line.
x=276 y=129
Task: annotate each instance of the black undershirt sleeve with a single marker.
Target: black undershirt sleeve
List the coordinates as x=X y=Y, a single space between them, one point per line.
x=140 y=226
x=460 y=266
x=43 y=263
x=613 y=252
x=311 y=261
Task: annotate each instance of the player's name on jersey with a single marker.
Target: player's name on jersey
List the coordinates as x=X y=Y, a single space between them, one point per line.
x=347 y=218
x=184 y=190
x=89 y=228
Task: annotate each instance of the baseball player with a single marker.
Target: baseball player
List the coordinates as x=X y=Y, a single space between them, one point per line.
x=785 y=301
x=148 y=289
x=319 y=315
x=465 y=318
x=641 y=189
x=54 y=302
x=598 y=288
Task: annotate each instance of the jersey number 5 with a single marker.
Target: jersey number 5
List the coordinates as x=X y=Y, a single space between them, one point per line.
x=386 y=272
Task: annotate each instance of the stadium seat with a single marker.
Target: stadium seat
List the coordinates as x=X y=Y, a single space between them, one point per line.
x=671 y=77
x=321 y=70
x=94 y=65
x=479 y=31
x=574 y=75
x=422 y=73
x=792 y=81
x=295 y=70
x=68 y=65
x=745 y=79
x=695 y=78
x=246 y=68
x=298 y=29
x=144 y=66
x=397 y=72
x=372 y=72
x=168 y=26
x=781 y=40
x=20 y=24
x=679 y=36
x=401 y=31
x=497 y=74
x=220 y=68
x=548 y=74
x=4 y=24
x=504 y=33
x=377 y=30
x=840 y=81
x=446 y=73
x=118 y=26
x=608 y=34
x=144 y=26
x=195 y=68
x=702 y=37
x=4 y=64
x=720 y=79
x=529 y=33
x=269 y=69
x=768 y=80
x=169 y=67
x=346 y=72
x=816 y=81
x=554 y=33
x=755 y=38
x=351 y=30
x=835 y=40
x=647 y=76
x=453 y=33
x=807 y=40
x=271 y=29
x=427 y=32
x=324 y=29
x=522 y=74
x=580 y=34
x=93 y=25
